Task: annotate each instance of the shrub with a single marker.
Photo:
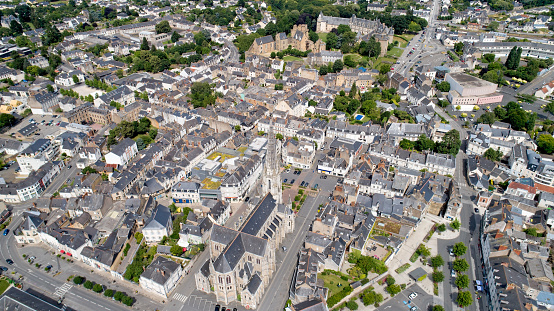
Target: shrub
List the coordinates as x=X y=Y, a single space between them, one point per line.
x=344 y=277
x=364 y=281
x=78 y=280
x=352 y=305
x=333 y=300
x=88 y=285
x=108 y=293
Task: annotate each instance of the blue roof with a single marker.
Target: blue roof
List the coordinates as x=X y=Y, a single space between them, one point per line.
x=546 y=298
x=362 y=69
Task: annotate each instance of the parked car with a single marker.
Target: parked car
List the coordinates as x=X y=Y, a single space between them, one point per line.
x=412 y=295
x=3 y=268
x=6 y=232
x=9 y=261
x=292 y=181
x=453 y=273
x=451 y=251
x=285 y=181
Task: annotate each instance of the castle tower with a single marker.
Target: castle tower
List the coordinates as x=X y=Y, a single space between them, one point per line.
x=271 y=177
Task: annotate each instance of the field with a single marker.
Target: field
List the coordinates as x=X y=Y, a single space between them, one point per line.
x=395 y=52
x=335 y=280
x=3 y=286
x=380 y=60
x=323 y=36
x=403 y=39
x=289 y=58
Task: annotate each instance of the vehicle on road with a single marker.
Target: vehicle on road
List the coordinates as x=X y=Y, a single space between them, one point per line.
x=413 y=308
x=451 y=251
x=285 y=181
x=476 y=210
x=9 y=261
x=412 y=295
x=284 y=249
x=6 y=232
x=453 y=273
x=217 y=308
x=247 y=199
x=3 y=268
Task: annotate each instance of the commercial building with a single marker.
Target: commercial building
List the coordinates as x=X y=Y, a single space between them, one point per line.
x=470 y=90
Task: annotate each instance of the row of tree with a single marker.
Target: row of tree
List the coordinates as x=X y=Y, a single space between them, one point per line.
x=450 y=143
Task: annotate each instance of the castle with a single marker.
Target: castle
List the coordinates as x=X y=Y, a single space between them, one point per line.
x=365 y=28
x=299 y=40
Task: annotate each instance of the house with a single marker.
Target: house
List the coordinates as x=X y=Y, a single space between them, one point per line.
x=122 y=95
x=122 y=153
x=159 y=225
x=161 y=276
x=70 y=78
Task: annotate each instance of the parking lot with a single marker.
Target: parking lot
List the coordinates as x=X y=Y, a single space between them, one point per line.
x=45 y=130
x=200 y=301
x=400 y=302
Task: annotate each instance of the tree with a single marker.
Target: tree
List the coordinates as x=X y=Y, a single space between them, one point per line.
x=373 y=47
x=444 y=86
x=78 y=280
x=500 y=112
x=549 y=107
x=487 y=118
x=163 y=27
x=459 y=249
x=313 y=36
x=128 y=301
x=393 y=289
x=493 y=26
x=237 y=128
x=352 y=305
x=384 y=68
x=460 y=265
x=438 y=276
x=98 y=288
x=23 y=12
x=338 y=65
x=279 y=136
x=424 y=143
x=450 y=143
x=464 y=299
x=88 y=170
x=202 y=94
x=462 y=281
x=108 y=293
x=88 y=285
x=545 y=143
x=512 y=61
x=493 y=155
x=414 y=27
x=459 y=48
x=390 y=280
x=353 y=90
x=6 y=119
x=441 y=227
x=406 y=144
x=488 y=58
x=75 y=79
x=176 y=250
x=119 y=295
x=175 y=36
x=144 y=45
x=140 y=144
x=424 y=251
x=331 y=40
x=455 y=224
x=438 y=308
x=437 y=261
x=16 y=28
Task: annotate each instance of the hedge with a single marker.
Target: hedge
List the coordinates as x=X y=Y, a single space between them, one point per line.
x=333 y=300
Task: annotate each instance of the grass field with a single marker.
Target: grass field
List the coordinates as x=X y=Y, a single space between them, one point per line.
x=403 y=40
x=323 y=36
x=3 y=286
x=333 y=288
x=379 y=60
x=395 y=52
x=289 y=58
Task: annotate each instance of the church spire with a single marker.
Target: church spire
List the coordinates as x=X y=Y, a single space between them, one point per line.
x=272 y=168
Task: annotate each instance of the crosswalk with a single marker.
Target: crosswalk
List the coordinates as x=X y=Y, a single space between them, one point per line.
x=181 y=298
x=60 y=291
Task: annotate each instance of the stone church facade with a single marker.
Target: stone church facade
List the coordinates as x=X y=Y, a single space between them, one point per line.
x=299 y=40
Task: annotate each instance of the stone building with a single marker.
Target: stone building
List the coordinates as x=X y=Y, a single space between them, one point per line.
x=299 y=40
x=242 y=262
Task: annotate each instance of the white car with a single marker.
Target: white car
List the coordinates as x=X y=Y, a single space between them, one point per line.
x=412 y=295
x=453 y=273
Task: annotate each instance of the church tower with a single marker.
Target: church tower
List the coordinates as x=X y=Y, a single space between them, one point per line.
x=271 y=177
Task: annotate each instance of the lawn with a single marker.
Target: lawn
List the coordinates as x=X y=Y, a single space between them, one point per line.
x=395 y=52
x=357 y=57
x=335 y=280
x=289 y=58
x=3 y=286
x=323 y=36
x=404 y=39
x=379 y=60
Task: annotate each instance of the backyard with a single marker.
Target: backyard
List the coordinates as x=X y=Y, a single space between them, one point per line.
x=332 y=282
x=383 y=59
x=395 y=52
x=404 y=39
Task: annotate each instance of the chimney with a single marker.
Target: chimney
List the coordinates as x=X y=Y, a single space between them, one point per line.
x=163 y=272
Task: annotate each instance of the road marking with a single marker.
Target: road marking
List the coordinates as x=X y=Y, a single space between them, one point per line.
x=181 y=298
x=60 y=291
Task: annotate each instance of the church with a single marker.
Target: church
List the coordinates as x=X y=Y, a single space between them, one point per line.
x=242 y=261
x=299 y=40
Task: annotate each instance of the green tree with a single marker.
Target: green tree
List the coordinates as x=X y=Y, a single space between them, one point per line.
x=163 y=27
x=23 y=12
x=176 y=250
x=118 y=296
x=459 y=249
x=424 y=143
x=237 y=128
x=88 y=170
x=338 y=65
x=140 y=144
x=545 y=143
x=512 y=61
x=202 y=94
x=464 y=299
x=331 y=40
x=460 y=265
x=108 y=293
x=128 y=301
x=406 y=144
x=441 y=227
x=353 y=90
x=279 y=136
x=493 y=155
x=424 y=251
x=438 y=276
x=414 y=27
x=455 y=224
x=313 y=36
x=88 y=285
x=75 y=79
x=144 y=45
x=450 y=143
x=175 y=36
x=384 y=68
x=352 y=305
x=16 y=28
x=98 y=288
x=488 y=58
x=78 y=280
x=6 y=119
x=487 y=118
x=500 y=112
x=493 y=26
x=437 y=261
x=393 y=289
x=444 y=86
x=459 y=48
x=549 y=107
x=462 y=281
x=438 y=308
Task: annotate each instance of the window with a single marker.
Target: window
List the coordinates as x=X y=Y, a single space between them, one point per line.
x=258 y=261
x=228 y=280
x=220 y=279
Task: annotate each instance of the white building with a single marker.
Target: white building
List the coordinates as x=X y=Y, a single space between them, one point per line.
x=161 y=276
x=122 y=153
x=159 y=225
x=37 y=154
x=185 y=192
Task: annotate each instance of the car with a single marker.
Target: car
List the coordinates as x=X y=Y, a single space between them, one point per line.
x=324 y=176
x=451 y=251
x=48 y=267
x=217 y=308
x=453 y=273
x=302 y=184
x=412 y=295
x=307 y=184
x=6 y=232
x=235 y=309
x=292 y=181
x=9 y=261
x=284 y=249
x=476 y=210
x=247 y=199
x=413 y=308
x=3 y=268
x=285 y=181
x=316 y=186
